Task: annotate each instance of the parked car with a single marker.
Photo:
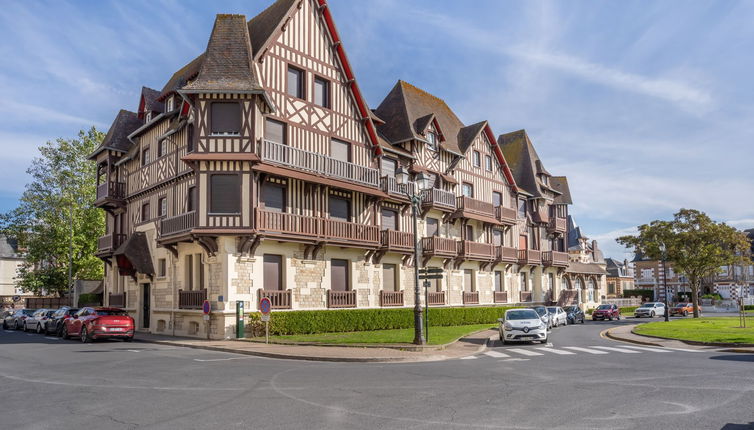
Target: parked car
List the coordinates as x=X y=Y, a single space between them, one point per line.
x=574 y=314
x=544 y=314
x=55 y=323
x=36 y=321
x=559 y=317
x=650 y=309
x=683 y=309
x=522 y=325
x=15 y=321
x=607 y=311
x=91 y=323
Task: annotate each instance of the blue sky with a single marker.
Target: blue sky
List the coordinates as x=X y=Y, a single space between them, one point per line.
x=645 y=106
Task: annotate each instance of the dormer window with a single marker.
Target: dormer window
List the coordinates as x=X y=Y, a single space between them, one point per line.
x=148 y=117
x=544 y=180
x=477 y=159
x=431 y=141
x=170 y=105
x=225 y=118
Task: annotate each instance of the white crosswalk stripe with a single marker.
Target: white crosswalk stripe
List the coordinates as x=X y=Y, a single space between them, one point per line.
x=588 y=351
x=610 y=348
x=557 y=351
x=568 y=350
x=496 y=354
x=470 y=357
x=523 y=351
x=646 y=348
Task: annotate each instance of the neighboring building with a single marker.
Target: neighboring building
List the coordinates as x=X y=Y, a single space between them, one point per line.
x=10 y=261
x=586 y=276
x=620 y=277
x=259 y=171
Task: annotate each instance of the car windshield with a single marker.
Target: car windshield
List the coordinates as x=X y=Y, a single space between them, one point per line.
x=28 y=311
x=553 y=310
x=110 y=312
x=541 y=311
x=72 y=311
x=522 y=314
x=603 y=307
x=681 y=305
x=647 y=305
x=569 y=308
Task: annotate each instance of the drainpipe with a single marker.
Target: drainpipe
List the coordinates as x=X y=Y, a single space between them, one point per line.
x=174 y=263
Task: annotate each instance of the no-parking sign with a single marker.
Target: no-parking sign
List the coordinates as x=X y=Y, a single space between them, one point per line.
x=265 y=307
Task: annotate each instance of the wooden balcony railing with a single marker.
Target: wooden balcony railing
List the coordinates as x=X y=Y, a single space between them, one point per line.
x=439 y=246
x=436 y=298
x=475 y=250
x=541 y=216
x=397 y=240
x=529 y=256
x=391 y=186
x=110 y=242
x=555 y=258
x=525 y=296
x=505 y=215
x=501 y=297
x=191 y=299
x=317 y=228
x=439 y=199
x=177 y=224
x=341 y=299
x=467 y=204
x=471 y=298
x=557 y=225
x=111 y=190
x=278 y=299
x=391 y=298
x=506 y=254
x=117 y=300
x=319 y=164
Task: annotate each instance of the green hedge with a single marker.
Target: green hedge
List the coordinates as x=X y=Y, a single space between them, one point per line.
x=647 y=293
x=90 y=300
x=345 y=320
x=628 y=309
x=749 y=307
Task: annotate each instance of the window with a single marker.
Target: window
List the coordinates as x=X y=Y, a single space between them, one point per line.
x=524 y=283
x=433 y=227
x=340 y=150
x=273 y=272
x=339 y=275
x=340 y=208
x=389 y=166
x=389 y=283
x=488 y=163
x=190 y=138
x=497 y=199
x=145 y=212
x=321 y=92
x=295 y=82
x=431 y=141
x=170 y=104
x=469 y=232
x=162 y=207
x=497 y=237
x=149 y=116
x=191 y=199
x=162 y=147
x=499 y=281
x=225 y=118
x=189 y=275
x=273 y=197
x=467 y=190
x=477 y=159
x=162 y=268
x=145 y=156
x=274 y=131
x=389 y=219
x=468 y=280
x=522 y=208
x=611 y=287
x=224 y=193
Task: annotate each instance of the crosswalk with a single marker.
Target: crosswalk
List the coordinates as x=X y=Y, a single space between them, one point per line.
x=523 y=354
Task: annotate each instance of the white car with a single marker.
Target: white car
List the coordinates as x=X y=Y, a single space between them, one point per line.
x=522 y=325
x=650 y=309
x=559 y=316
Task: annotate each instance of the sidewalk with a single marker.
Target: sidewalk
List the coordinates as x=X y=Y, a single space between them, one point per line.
x=625 y=334
x=466 y=346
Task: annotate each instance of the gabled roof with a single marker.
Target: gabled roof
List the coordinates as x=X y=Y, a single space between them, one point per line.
x=421 y=124
x=467 y=135
x=574 y=234
x=524 y=162
x=263 y=26
x=560 y=184
x=125 y=123
x=227 y=65
x=150 y=101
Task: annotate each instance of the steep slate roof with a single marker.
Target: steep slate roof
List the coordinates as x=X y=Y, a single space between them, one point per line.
x=151 y=100
x=227 y=64
x=263 y=26
x=560 y=184
x=574 y=234
x=125 y=123
x=524 y=162
x=467 y=135
x=183 y=75
x=614 y=267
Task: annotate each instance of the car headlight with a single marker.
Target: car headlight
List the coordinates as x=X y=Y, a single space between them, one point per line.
x=542 y=326
x=507 y=326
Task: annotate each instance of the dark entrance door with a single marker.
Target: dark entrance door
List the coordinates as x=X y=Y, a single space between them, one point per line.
x=146 y=305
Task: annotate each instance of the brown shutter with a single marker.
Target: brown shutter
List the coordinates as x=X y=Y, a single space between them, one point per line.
x=388 y=275
x=522 y=242
x=226 y=117
x=274 y=131
x=273 y=270
x=432 y=227
x=468 y=282
x=339 y=275
x=225 y=194
x=340 y=150
x=273 y=197
x=389 y=219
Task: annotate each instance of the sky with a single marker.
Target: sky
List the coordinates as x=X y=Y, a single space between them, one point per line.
x=646 y=107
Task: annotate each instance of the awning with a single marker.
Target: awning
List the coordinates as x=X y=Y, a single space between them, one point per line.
x=134 y=256
x=295 y=174
x=448 y=178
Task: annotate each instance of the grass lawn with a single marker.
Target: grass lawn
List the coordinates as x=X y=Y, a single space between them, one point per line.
x=717 y=330
x=437 y=335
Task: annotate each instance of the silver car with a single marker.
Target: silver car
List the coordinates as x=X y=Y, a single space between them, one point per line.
x=38 y=320
x=522 y=325
x=559 y=316
x=650 y=310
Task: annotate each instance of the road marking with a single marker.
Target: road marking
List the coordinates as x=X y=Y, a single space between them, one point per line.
x=222 y=359
x=687 y=350
x=496 y=354
x=644 y=348
x=610 y=348
x=9 y=331
x=588 y=351
x=523 y=351
x=133 y=350
x=470 y=357
x=557 y=351
x=52 y=338
x=514 y=359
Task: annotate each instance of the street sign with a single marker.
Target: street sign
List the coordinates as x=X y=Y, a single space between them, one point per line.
x=265 y=317
x=265 y=306
x=430 y=276
x=430 y=270
x=206 y=317
x=206 y=307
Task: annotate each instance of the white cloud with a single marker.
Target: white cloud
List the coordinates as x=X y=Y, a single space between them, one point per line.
x=30 y=113
x=611 y=248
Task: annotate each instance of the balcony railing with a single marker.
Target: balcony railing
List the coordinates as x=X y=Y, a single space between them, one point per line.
x=436 y=298
x=391 y=186
x=397 y=240
x=474 y=206
x=554 y=258
x=111 y=190
x=325 y=229
x=525 y=296
x=318 y=164
x=505 y=215
x=191 y=299
x=278 y=299
x=506 y=254
x=557 y=225
x=177 y=224
x=110 y=242
x=439 y=199
x=391 y=298
x=439 y=246
x=117 y=300
x=501 y=297
x=541 y=216
x=341 y=299
x=529 y=256
x=475 y=250
x=471 y=298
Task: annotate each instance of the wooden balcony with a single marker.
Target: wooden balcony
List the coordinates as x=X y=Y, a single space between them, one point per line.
x=177 y=224
x=278 y=299
x=555 y=258
x=525 y=296
x=505 y=215
x=471 y=298
x=299 y=227
x=439 y=247
x=318 y=164
x=109 y=243
x=501 y=297
x=529 y=256
x=438 y=199
x=475 y=250
x=506 y=254
x=556 y=225
x=110 y=195
x=389 y=185
x=436 y=298
x=117 y=300
x=469 y=207
x=397 y=241
x=191 y=299
x=391 y=298
x=341 y=299
x=541 y=216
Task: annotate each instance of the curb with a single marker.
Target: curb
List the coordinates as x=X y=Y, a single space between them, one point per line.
x=607 y=333
x=697 y=343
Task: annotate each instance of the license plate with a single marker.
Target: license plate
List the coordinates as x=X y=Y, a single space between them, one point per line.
x=528 y=337
x=116 y=329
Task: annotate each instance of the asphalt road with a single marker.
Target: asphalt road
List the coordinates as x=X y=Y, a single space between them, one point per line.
x=577 y=383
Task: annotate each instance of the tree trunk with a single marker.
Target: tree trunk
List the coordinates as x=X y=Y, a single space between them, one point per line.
x=695 y=295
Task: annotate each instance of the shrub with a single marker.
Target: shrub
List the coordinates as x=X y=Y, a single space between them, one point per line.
x=90 y=300
x=628 y=309
x=648 y=294
x=715 y=296
x=345 y=320
x=749 y=307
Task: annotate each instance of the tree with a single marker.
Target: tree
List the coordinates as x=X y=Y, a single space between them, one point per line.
x=695 y=244
x=55 y=218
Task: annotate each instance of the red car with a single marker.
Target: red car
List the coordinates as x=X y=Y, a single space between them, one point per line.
x=606 y=312
x=89 y=324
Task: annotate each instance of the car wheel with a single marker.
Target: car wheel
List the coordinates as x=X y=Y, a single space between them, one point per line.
x=26 y=328
x=610 y=318
x=5 y=325
x=59 y=331
x=544 y=341
x=84 y=335
x=128 y=339
x=685 y=313
x=652 y=315
x=39 y=328
x=618 y=317
x=64 y=333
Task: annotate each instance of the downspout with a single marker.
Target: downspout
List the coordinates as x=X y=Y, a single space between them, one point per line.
x=173 y=262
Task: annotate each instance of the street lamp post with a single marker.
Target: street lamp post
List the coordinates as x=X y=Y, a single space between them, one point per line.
x=423 y=182
x=665 y=281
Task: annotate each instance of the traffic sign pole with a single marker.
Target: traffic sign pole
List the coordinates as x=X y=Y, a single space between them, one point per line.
x=265 y=307
x=426 y=309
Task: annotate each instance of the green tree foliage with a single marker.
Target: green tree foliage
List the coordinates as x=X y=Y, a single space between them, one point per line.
x=57 y=205
x=695 y=244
